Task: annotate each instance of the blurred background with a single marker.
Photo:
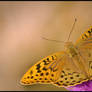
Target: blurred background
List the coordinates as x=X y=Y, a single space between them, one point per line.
x=21 y=26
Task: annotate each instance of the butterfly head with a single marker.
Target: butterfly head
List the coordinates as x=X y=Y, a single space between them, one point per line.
x=68 y=45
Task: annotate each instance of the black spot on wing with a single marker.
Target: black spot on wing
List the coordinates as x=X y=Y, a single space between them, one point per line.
x=45 y=78
x=65 y=78
x=89 y=33
x=48 y=81
x=85 y=35
x=48 y=59
x=32 y=77
x=71 y=77
x=32 y=82
x=31 y=72
x=38 y=66
x=61 y=81
x=38 y=71
x=52 y=57
x=37 y=81
x=45 y=62
x=67 y=81
x=42 y=81
x=40 y=78
x=51 y=79
x=28 y=77
x=73 y=81
x=47 y=73
x=63 y=72
x=45 y=69
x=52 y=75
x=36 y=75
x=58 y=83
x=41 y=74
x=62 y=76
x=77 y=75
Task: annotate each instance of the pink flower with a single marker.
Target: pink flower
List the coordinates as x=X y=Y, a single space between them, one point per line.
x=85 y=86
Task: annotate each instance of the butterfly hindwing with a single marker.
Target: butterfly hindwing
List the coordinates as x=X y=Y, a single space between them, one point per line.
x=70 y=79
x=70 y=75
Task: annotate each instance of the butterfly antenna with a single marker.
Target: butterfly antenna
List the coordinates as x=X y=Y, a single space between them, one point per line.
x=52 y=40
x=72 y=29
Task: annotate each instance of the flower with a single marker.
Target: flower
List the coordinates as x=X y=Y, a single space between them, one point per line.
x=85 y=86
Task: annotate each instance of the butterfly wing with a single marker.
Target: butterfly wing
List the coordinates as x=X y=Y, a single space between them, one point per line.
x=44 y=71
x=85 y=40
x=57 y=69
x=84 y=44
x=70 y=75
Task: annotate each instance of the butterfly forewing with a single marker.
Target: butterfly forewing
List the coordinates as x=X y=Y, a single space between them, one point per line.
x=44 y=71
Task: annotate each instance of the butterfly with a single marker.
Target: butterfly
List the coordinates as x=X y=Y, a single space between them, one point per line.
x=65 y=68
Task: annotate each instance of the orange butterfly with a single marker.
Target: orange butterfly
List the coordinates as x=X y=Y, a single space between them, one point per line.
x=65 y=68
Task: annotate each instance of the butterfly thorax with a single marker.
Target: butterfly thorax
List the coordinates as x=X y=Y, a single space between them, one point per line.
x=76 y=56
x=71 y=49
